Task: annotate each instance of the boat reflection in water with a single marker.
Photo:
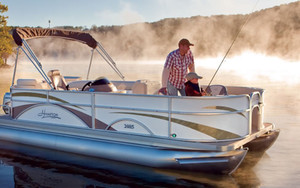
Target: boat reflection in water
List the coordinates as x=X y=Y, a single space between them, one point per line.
x=48 y=168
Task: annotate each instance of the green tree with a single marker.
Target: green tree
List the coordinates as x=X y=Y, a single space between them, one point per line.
x=6 y=45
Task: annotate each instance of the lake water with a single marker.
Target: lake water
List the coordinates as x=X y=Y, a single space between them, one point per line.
x=278 y=167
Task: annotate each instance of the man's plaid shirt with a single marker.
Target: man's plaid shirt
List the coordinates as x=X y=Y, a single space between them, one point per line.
x=178 y=66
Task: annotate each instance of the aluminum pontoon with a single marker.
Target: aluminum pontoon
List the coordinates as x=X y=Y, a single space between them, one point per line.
x=128 y=121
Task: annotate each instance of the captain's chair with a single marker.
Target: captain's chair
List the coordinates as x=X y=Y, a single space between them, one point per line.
x=216 y=90
x=58 y=81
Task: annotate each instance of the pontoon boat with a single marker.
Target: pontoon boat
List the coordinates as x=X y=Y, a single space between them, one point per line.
x=128 y=121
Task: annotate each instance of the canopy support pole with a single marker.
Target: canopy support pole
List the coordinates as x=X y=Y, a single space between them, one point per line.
x=87 y=76
x=32 y=57
x=15 y=69
x=109 y=60
x=32 y=54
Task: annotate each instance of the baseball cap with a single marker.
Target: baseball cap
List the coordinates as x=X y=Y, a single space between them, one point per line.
x=185 y=42
x=192 y=75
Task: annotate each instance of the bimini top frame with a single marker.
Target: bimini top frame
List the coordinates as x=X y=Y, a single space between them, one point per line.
x=20 y=35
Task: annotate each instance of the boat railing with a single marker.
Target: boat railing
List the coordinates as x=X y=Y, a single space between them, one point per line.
x=140 y=109
x=257 y=110
x=171 y=111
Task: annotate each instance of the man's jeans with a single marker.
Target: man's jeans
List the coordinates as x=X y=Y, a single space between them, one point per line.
x=174 y=91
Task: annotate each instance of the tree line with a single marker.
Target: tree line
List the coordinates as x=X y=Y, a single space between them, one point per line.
x=6 y=41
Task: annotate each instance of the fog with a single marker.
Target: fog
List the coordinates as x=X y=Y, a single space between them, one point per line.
x=253 y=67
x=272 y=32
x=249 y=67
x=267 y=48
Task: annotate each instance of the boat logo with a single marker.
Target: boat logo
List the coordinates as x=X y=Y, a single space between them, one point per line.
x=44 y=114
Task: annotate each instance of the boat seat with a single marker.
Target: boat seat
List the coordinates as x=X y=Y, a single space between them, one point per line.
x=139 y=87
x=29 y=84
x=145 y=87
x=216 y=90
x=123 y=85
x=58 y=81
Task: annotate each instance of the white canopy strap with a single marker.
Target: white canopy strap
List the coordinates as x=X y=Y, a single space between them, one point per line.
x=34 y=60
x=109 y=60
x=16 y=63
x=88 y=73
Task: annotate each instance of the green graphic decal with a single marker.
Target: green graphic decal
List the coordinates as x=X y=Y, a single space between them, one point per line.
x=43 y=96
x=216 y=133
x=225 y=108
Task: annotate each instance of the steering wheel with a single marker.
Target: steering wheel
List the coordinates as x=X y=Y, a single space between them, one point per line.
x=87 y=84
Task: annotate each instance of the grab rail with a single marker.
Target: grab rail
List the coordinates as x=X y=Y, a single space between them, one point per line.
x=143 y=109
x=8 y=108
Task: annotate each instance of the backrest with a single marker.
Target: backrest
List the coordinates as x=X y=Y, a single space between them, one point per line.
x=57 y=80
x=28 y=84
x=216 y=90
x=123 y=85
x=140 y=87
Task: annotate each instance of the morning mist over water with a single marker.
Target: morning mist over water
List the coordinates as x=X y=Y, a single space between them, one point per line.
x=273 y=32
x=266 y=48
x=250 y=66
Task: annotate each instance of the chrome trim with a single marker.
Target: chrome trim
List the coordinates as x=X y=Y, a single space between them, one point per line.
x=109 y=60
x=201 y=160
x=93 y=111
x=40 y=70
x=88 y=73
x=15 y=69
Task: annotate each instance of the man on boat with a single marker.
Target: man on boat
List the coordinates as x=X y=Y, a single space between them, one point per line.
x=176 y=67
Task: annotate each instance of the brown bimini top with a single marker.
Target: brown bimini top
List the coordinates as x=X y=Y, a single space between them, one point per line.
x=30 y=33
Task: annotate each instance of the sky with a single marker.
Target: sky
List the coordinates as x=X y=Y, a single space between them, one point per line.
x=88 y=13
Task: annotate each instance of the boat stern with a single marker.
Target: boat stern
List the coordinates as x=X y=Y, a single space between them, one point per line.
x=225 y=163
x=6 y=103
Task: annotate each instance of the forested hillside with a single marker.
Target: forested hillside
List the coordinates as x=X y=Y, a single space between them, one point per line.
x=274 y=31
